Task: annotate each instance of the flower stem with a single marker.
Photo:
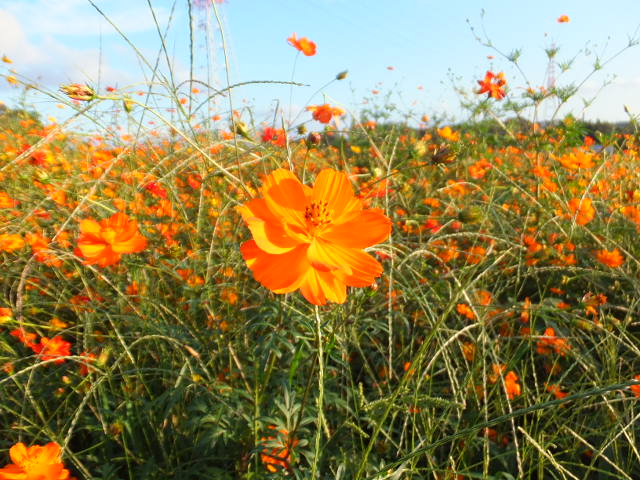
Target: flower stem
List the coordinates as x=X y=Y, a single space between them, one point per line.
x=320 y=399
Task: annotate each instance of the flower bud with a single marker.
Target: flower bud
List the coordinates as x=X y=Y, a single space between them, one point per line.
x=242 y=129
x=127 y=104
x=75 y=91
x=342 y=75
x=314 y=138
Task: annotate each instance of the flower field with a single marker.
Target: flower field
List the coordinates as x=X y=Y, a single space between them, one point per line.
x=339 y=298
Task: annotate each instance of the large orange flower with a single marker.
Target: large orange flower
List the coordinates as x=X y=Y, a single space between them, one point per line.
x=103 y=243
x=35 y=463
x=312 y=238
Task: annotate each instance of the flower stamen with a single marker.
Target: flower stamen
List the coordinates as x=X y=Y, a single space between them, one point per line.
x=317 y=214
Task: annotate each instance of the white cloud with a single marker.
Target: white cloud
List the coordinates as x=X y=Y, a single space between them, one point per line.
x=49 y=62
x=80 y=18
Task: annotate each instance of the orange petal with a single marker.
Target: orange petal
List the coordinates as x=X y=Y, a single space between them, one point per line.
x=353 y=267
x=90 y=227
x=90 y=250
x=280 y=273
x=271 y=238
x=267 y=230
x=257 y=208
x=335 y=188
x=360 y=229
x=134 y=244
x=18 y=453
x=318 y=287
x=109 y=258
x=50 y=453
x=285 y=196
x=118 y=221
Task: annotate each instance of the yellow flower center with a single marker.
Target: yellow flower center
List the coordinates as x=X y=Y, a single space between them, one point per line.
x=317 y=214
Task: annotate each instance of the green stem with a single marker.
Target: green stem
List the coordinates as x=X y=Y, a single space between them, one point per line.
x=320 y=399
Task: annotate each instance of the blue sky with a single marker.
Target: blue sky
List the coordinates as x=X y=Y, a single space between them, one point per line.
x=429 y=44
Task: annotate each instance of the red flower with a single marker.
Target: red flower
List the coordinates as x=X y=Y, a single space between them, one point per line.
x=563 y=19
x=275 y=136
x=155 y=189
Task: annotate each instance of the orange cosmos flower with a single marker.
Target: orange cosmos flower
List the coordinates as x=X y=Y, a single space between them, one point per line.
x=6 y=201
x=303 y=45
x=611 y=259
x=563 y=19
x=556 y=391
x=50 y=349
x=464 y=310
x=40 y=246
x=513 y=387
x=312 y=238
x=280 y=455
x=493 y=85
x=582 y=210
x=576 y=160
x=550 y=342
x=35 y=463
x=103 y=243
x=10 y=242
x=25 y=337
x=448 y=134
x=324 y=113
x=5 y=315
